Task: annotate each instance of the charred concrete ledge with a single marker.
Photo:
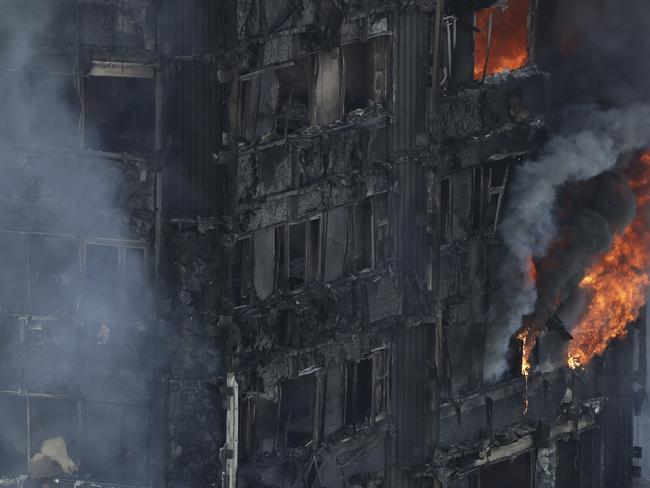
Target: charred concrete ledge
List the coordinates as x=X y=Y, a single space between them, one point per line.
x=511 y=442
x=318 y=315
x=357 y=458
x=349 y=158
x=514 y=98
x=313 y=20
x=268 y=367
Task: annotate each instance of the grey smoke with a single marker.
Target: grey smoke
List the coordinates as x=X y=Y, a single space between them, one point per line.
x=591 y=142
x=50 y=186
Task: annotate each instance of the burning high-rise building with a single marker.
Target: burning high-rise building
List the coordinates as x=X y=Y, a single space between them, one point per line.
x=324 y=243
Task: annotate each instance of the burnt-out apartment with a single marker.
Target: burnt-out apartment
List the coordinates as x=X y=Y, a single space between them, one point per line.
x=324 y=243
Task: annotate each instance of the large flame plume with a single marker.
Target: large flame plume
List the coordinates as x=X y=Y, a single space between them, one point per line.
x=509 y=43
x=617 y=283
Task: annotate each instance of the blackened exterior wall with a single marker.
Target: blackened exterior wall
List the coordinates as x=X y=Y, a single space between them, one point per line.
x=261 y=252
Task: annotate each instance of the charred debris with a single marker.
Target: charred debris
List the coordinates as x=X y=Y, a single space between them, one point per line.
x=255 y=243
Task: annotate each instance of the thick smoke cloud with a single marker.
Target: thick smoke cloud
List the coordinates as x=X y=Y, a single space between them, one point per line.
x=595 y=51
x=51 y=186
x=531 y=219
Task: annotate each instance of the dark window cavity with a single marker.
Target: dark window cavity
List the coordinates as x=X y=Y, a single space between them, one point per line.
x=297 y=254
x=296 y=411
x=280 y=254
x=120 y=114
x=366 y=73
x=242 y=271
x=358 y=392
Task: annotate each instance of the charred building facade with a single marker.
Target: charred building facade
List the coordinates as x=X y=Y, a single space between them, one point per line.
x=266 y=243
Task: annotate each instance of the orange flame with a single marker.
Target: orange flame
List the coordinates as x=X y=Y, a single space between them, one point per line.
x=532 y=270
x=509 y=47
x=617 y=283
x=528 y=336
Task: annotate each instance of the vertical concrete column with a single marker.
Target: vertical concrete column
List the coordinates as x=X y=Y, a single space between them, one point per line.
x=546 y=466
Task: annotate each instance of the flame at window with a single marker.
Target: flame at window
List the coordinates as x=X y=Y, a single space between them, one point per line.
x=509 y=41
x=618 y=282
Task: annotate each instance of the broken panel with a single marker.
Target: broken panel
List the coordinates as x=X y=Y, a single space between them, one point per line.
x=54 y=275
x=496 y=176
x=297 y=411
x=120 y=114
x=114 y=443
x=294 y=97
x=259 y=101
x=328 y=103
x=458 y=45
x=275 y=102
x=13 y=436
x=366 y=70
x=242 y=271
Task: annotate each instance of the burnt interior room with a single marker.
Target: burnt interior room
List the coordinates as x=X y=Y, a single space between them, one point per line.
x=324 y=243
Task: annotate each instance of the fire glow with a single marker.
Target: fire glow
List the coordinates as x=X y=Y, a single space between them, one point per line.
x=508 y=46
x=617 y=283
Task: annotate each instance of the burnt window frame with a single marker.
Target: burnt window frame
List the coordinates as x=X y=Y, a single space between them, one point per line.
x=378 y=93
x=313 y=423
x=357 y=259
x=239 y=299
x=380 y=384
x=282 y=233
x=530 y=39
x=494 y=191
x=81 y=246
x=119 y=69
x=247 y=89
